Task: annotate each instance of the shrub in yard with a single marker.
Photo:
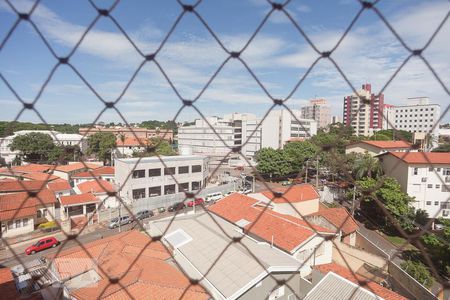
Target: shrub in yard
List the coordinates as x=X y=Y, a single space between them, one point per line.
x=418 y=271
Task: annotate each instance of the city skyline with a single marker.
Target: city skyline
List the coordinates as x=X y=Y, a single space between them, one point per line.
x=278 y=56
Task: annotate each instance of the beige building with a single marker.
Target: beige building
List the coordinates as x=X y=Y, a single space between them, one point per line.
x=318 y=110
x=130 y=132
x=378 y=147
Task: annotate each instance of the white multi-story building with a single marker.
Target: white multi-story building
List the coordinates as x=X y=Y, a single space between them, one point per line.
x=419 y=116
x=232 y=130
x=388 y=116
x=282 y=126
x=424 y=176
x=62 y=139
x=150 y=178
x=364 y=111
x=319 y=110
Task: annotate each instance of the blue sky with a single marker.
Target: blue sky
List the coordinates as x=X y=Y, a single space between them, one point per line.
x=278 y=55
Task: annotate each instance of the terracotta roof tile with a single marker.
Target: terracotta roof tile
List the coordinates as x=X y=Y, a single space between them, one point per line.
x=358 y=279
x=7 y=285
x=422 y=157
x=106 y=170
x=132 y=142
x=32 y=168
x=76 y=166
x=21 y=185
x=21 y=205
x=59 y=186
x=78 y=199
x=293 y=194
x=339 y=217
x=150 y=277
x=40 y=176
x=287 y=232
x=98 y=186
x=388 y=144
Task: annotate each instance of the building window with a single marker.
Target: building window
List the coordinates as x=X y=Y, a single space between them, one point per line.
x=154 y=172
x=430 y=169
x=169 y=189
x=438 y=186
x=428 y=202
x=169 y=171
x=183 y=187
x=18 y=223
x=430 y=186
x=138 y=173
x=196 y=168
x=436 y=203
x=447 y=172
x=196 y=185
x=138 y=193
x=183 y=170
x=25 y=222
x=10 y=225
x=154 y=191
x=415 y=171
x=38 y=214
x=438 y=169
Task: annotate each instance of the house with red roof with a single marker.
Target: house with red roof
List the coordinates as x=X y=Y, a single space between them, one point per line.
x=337 y=219
x=67 y=171
x=60 y=187
x=424 y=176
x=78 y=205
x=15 y=186
x=303 y=240
x=21 y=212
x=378 y=147
x=100 y=188
x=105 y=172
x=296 y=200
x=130 y=145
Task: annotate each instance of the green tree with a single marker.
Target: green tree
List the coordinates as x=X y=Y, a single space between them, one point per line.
x=365 y=165
x=34 y=147
x=297 y=153
x=272 y=163
x=418 y=271
x=160 y=147
x=438 y=246
x=442 y=148
x=397 y=135
x=101 y=144
x=122 y=138
x=388 y=191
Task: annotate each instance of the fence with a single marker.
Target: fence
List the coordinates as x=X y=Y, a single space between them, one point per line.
x=34 y=13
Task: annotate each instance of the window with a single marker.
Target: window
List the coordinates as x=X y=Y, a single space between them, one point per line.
x=183 y=170
x=138 y=173
x=438 y=186
x=438 y=169
x=428 y=202
x=169 y=171
x=10 y=225
x=44 y=212
x=138 y=193
x=424 y=179
x=430 y=186
x=415 y=171
x=446 y=171
x=18 y=224
x=154 y=172
x=183 y=187
x=154 y=191
x=25 y=222
x=196 y=185
x=196 y=168
x=430 y=169
x=436 y=203
x=169 y=189
x=38 y=214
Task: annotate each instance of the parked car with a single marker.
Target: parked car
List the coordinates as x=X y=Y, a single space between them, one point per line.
x=213 y=197
x=438 y=226
x=144 y=214
x=177 y=206
x=228 y=193
x=42 y=244
x=161 y=209
x=123 y=221
x=197 y=201
x=285 y=183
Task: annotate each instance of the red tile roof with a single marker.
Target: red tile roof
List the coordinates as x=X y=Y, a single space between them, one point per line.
x=287 y=232
x=17 y=205
x=388 y=144
x=339 y=217
x=76 y=166
x=106 y=170
x=434 y=158
x=98 y=186
x=132 y=142
x=7 y=285
x=142 y=262
x=78 y=199
x=32 y=168
x=358 y=279
x=59 y=186
x=293 y=194
x=39 y=176
x=21 y=185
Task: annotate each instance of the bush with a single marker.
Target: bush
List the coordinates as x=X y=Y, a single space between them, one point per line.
x=47 y=225
x=418 y=271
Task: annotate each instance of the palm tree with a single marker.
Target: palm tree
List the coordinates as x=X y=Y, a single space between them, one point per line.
x=366 y=166
x=122 y=139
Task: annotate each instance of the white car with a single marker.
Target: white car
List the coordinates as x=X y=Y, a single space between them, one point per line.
x=213 y=197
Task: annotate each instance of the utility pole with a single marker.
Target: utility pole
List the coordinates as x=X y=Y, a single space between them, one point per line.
x=253 y=184
x=317 y=172
x=120 y=217
x=306 y=176
x=353 y=200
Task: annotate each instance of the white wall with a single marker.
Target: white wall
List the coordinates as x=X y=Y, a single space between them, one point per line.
x=20 y=230
x=323 y=254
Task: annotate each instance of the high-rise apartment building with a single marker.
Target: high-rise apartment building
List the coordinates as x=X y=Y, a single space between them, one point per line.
x=318 y=110
x=419 y=116
x=388 y=117
x=364 y=111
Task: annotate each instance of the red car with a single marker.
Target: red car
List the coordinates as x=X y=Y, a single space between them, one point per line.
x=42 y=244
x=197 y=201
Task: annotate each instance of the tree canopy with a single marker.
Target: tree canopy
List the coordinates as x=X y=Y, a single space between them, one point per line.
x=101 y=144
x=36 y=147
x=161 y=147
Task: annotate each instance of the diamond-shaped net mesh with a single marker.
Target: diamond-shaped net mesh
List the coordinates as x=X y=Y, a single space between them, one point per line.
x=326 y=149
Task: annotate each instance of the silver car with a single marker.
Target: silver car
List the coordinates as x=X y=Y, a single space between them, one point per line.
x=123 y=221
